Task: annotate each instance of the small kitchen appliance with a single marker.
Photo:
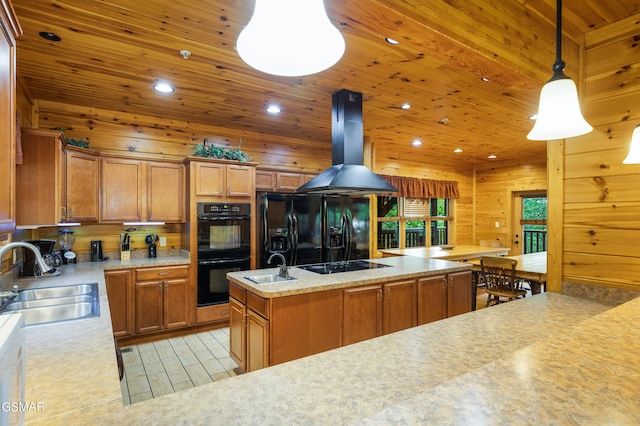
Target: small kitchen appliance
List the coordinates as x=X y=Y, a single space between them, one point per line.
x=96 y=251
x=51 y=258
x=152 y=243
x=66 y=241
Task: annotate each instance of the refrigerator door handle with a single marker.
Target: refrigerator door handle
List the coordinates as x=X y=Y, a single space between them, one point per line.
x=346 y=235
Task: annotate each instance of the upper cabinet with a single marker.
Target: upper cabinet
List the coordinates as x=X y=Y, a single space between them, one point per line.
x=267 y=180
x=140 y=190
x=83 y=185
x=122 y=189
x=9 y=30
x=40 y=179
x=222 y=179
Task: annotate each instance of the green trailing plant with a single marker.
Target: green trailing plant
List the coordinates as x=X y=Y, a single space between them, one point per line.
x=211 y=151
x=82 y=143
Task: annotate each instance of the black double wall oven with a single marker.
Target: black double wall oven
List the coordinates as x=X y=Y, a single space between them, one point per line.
x=224 y=245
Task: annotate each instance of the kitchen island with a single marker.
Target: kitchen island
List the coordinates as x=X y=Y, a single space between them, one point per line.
x=576 y=363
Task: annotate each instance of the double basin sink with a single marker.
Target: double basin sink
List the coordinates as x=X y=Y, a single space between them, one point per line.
x=54 y=304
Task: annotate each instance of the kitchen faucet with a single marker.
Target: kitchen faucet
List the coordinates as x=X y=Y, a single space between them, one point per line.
x=284 y=270
x=39 y=259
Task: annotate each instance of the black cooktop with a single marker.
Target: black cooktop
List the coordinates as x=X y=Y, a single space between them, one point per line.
x=345 y=266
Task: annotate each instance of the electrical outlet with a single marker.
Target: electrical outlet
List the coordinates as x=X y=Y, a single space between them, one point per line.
x=163 y=241
x=497 y=224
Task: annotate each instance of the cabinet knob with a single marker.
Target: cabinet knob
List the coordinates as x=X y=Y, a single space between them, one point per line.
x=388 y=293
x=380 y=295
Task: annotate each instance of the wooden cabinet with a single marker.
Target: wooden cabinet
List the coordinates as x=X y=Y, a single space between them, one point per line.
x=161 y=298
x=121 y=192
x=267 y=180
x=374 y=310
x=82 y=185
x=217 y=179
x=443 y=296
x=120 y=292
x=9 y=30
x=41 y=178
x=248 y=329
x=139 y=190
x=238 y=332
x=165 y=192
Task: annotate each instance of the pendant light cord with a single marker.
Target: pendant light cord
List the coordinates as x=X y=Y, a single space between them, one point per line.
x=559 y=65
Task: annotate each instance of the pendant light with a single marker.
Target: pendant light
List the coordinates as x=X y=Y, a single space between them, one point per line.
x=634 y=150
x=290 y=38
x=559 y=114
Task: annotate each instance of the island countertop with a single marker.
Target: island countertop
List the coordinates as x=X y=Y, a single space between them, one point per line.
x=402 y=267
x=570 y=360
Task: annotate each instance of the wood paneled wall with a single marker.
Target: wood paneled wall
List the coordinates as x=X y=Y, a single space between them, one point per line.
x=601 y=196
x=494 y=197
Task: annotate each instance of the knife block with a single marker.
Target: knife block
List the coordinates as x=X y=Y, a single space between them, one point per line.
x=125 y=255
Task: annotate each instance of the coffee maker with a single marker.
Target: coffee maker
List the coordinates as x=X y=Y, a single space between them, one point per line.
x=51 y=257
x=152 y=242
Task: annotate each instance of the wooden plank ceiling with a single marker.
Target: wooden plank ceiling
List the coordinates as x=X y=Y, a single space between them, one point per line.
x=112 y=51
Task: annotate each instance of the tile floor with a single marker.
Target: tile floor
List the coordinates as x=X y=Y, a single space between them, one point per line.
x=166 y=366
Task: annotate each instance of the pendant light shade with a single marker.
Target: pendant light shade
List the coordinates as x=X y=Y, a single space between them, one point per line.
x=634 y=150
x=559 y=114
x=290 y=38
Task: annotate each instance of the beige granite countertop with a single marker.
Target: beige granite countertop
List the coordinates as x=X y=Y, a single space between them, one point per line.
x=571 y=361
x=402 y=267
x=72 y=365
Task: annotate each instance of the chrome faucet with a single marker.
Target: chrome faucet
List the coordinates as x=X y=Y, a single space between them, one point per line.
x=36 y=252
x=284 y=270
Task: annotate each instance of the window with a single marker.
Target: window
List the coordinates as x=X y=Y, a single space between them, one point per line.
x=403 y=222
x=534 y=224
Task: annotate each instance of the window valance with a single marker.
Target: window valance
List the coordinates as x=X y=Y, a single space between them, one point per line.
x=423 y=188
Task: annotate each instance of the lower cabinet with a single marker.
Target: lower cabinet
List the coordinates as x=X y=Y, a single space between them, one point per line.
x=371 y=311
x=248 y=330
x=443 y=296
x=148 y=300
x=265 y=332
x=161 y=298
x=121 y=296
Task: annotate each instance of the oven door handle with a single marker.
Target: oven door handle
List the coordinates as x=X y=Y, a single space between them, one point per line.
x=223 y=261
x=205 y=217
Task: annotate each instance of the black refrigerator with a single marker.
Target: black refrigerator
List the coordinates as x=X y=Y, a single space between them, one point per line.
x=313 y=228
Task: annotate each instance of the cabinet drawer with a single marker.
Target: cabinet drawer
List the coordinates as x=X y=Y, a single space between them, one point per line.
x=258 y=304
x=239 y=293
x=171 y=272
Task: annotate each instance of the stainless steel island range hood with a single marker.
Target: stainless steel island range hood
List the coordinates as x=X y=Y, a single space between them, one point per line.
x=348 y=175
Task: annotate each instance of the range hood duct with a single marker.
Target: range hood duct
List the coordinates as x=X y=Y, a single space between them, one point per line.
x=348 y=175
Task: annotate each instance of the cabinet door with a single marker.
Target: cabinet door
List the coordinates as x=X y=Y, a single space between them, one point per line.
x=122 y=190
x=240 y=181
x=257 y=341
x=459 y=293
x=210 y=179
x=237 y=333
x=83 y=186
x=362 y=314
x=399 y=306
x=149 y=306
x=7 y=120
x=120 y=295
x=265 y=180
x=175 y=303
x=165 y=192
x=289 y=181
x=432 y=299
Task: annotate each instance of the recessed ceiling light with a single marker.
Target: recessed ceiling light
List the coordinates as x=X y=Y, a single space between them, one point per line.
x=457 y=150
x=273 y=109
x=49 y=36
x=416 y=142
x=533 y=117
x=163 y=87
x=485 y=79
x=492 y=156
x=391 y=41
x=406 y=105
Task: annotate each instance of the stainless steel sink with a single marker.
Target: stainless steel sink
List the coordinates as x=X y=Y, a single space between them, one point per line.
x=39 y=303
x=62 y=291
x=54 y=304
x=267 y=279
